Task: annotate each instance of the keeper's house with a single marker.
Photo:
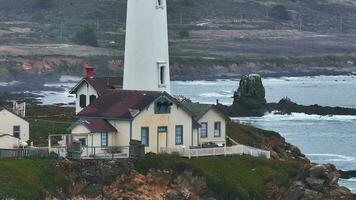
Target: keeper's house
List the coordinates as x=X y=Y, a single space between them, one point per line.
x=158 y=120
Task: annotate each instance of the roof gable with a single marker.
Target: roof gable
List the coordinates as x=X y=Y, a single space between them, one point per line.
x=94 y=125
x=12 y=113
x=199 y=110
x=100 y=84
x=125 y=104
x=120 y=104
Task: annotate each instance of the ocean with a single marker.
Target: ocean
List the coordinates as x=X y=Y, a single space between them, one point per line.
x=324 y=139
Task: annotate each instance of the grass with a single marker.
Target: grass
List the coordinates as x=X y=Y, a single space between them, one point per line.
x=249 y=135
x=45 y=120
x=229 y=177
x=29 y=179
x=40 y=129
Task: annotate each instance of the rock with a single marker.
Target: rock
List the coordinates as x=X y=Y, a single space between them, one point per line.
x=347 y=174
x=315 y=184
x=249 y=99
x=318 y=171
x=251 y=93
x=312 y=195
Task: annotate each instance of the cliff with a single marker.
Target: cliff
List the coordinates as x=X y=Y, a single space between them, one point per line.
x=288 y=175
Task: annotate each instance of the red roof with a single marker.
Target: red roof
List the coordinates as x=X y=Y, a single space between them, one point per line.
x=96 y=125
x=101 y=84
x=120 y=104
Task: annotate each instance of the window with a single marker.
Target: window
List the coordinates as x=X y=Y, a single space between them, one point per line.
x=163 y=106
x=161 y=71
x=104 y=140
x=179 y=135
x=145 y=136
x=217 y=129
x=204 y=130
x=16 y=131
x=92 y=98
x=162 y=79
x=83 y=142
x=82 y=100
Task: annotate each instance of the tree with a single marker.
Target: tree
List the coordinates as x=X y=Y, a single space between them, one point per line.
x=87 y=37
x=280 y=12
x=44 y=4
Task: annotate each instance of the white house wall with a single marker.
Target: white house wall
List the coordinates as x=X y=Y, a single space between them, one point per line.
x=122 y=137
x=87 y=90
x=7 y=122
x=93 y=140
x=8 y=142
x=149 y=119
x=211 y=117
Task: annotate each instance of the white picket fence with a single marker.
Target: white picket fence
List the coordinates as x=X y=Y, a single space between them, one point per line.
x=219 y=151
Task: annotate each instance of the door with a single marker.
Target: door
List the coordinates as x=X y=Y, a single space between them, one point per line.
x=162 y=139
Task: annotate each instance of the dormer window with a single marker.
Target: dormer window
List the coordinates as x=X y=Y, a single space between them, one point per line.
x=159 y=4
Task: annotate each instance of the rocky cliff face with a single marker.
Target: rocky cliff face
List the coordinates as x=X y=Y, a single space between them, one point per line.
x=318 y=182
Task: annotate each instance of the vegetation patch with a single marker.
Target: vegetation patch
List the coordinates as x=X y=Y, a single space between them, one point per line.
x=228 y=177
x=29 y=179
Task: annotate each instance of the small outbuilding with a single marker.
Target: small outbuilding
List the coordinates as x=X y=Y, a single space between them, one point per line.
x=13 y=129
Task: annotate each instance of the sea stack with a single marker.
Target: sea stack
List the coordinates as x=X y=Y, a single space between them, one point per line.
x=249 y=99
x=146 y=52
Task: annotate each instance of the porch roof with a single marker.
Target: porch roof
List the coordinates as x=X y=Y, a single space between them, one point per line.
x=95 y=125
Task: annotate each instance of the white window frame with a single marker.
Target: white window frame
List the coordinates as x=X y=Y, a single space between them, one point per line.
x=159 y=67
x=217 y=132
x=17 y=131
x=206 y=134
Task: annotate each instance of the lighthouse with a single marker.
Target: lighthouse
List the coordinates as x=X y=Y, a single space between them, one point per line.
x=146 y=65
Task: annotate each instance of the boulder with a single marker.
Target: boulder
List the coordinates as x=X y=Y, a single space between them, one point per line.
x=315 y=184
x=251 y=93
x=319 y=171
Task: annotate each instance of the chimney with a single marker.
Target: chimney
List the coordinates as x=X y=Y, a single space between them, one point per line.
x=90 y=71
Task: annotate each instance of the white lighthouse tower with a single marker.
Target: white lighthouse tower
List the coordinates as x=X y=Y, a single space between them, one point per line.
x=146 y=50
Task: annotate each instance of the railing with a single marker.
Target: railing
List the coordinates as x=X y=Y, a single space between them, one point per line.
x=23 y=153
x=60 y=151
x=95 y=152
x=135 y=151
x=218 y=151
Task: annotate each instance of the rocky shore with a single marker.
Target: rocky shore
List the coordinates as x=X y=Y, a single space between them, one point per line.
x=249 y=100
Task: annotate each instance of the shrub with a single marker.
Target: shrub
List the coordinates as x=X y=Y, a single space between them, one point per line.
x=86 y=37
x=280 y=12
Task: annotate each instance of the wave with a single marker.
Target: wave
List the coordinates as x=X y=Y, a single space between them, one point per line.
x=206 y=83
x=297 y=117
x=215 y=95
x=332 y=157
x=12 y=83
x=309 y=79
